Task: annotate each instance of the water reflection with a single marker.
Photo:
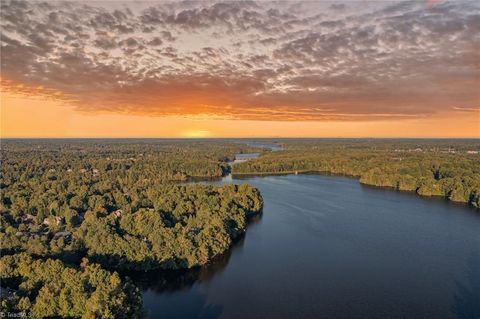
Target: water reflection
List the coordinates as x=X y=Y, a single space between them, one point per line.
x=173 y=280
x=160 y=281
x=193 y=305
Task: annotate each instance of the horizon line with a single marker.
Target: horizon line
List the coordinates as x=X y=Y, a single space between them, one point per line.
x=257 y=137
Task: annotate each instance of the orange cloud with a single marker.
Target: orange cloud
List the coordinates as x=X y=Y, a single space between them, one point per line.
x=22 y=116
x=34 y=92
x=247 y=61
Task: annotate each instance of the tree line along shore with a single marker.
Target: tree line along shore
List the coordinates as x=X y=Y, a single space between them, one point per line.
x=76 y=213
x=448 y=169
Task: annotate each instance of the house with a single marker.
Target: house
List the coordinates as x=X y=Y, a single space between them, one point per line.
x=27 y=218
x=63 y=234
x=118 y=213
x=58 y=220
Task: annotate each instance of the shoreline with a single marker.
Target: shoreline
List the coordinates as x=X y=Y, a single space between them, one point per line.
x=326 y=173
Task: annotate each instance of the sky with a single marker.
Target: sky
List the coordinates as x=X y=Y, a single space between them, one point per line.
x=240 y=69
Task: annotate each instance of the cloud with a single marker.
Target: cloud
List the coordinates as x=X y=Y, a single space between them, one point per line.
x=338 y=6
x=106 y=43
x=467 y=109
x=246 y=60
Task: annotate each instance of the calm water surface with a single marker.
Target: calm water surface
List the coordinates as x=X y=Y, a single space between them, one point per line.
x=327 y=247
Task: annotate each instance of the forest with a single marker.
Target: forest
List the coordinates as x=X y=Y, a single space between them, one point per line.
x=75 y=212
x=77 y=215
x=443 y=168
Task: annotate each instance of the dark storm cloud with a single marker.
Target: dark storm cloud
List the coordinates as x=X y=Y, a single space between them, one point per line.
x=247 y=60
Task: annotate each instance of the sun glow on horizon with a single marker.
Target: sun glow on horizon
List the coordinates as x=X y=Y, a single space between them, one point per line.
x=25 y=116
x=196 y=134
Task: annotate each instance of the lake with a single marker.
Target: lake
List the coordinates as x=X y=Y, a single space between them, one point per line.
x=328 y=247
x=239 y=158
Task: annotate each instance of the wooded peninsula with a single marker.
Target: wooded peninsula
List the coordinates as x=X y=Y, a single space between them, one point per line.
x=76 y=215
x=74 y=212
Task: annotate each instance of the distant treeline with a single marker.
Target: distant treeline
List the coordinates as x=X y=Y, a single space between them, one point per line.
x=446 y=168
x=74 y=212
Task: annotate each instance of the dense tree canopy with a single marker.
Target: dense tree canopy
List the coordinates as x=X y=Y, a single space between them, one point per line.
x=177 y=227
x=117 y=205
x=49 y=288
